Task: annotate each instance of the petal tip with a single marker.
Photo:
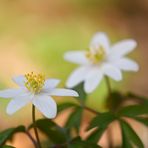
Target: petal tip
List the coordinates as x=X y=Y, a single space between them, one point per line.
x=76 y=94
x=137 y=68
x=100 y=33
x=119 y=77
x=9 y=112
x=73 y=93
x=87 y=91
x=69 y=84
x=133 y=43
x=52 y=116
x=65 y=56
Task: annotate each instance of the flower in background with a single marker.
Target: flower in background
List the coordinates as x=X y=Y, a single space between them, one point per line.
x=35 y=89
x=102 y=59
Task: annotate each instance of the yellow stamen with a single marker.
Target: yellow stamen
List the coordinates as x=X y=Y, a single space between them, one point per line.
x=35 y=82
x=96 y=55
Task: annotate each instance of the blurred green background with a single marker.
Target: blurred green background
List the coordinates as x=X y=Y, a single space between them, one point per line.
x=34 y=34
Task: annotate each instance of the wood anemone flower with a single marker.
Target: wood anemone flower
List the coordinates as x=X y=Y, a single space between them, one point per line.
x=35 y=89
x=102 y=59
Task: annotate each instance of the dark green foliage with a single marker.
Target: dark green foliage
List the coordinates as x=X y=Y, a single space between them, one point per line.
x=79 y=143
x=137 y=112
x=82 y=95
x=140 y=99
x=125 y=141
x=7 y=146
x=133 y=110
x=143 y=120
x=96 y=135
x=8 y=134
x=64 y=106
x=130 y=134
x=114 y=101
x=54 y=132
x=74 y=120
x=64 y=137
x=102 y=120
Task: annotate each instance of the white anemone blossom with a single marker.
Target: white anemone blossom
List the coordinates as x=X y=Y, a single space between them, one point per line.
x=102 y=59
x=35 y=89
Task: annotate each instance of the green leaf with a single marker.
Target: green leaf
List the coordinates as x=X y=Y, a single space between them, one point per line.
x=7 y=146
x=133 y=110
x=142 y=99
x=66 y=105
x=80 y=89
x=131 y=134
x=74 y=119
x=102 y=120
x=54 y=132
x=8 y=133
x=143 y=120
x=96 y=135
x=125 y=141
x=114 y=101
x=79 y=143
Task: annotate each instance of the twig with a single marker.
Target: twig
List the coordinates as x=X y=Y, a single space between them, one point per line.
x=31 y=138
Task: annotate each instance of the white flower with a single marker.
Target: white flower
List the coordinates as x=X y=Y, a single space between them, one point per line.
x=102 y=59
x=35 y=89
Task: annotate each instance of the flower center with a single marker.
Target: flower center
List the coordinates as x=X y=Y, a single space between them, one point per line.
x=35 y=82
x=96 y=55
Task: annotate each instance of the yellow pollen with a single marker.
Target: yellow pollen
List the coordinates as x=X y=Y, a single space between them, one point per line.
x=96 y=55
x=35 y=82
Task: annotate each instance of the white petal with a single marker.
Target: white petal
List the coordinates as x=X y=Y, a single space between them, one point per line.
x=100 y=39
x=112 y=72
x=17 y=103
x=127 y=64
x=10 y=93
x=92 y=80
x=77 y=57
x=122 y=48
x=51 y=83
x=19 y=80
x=46 y=105
x=77 y=76
x=62 y=92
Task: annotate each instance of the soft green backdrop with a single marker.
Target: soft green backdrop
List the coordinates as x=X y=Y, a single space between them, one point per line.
x=35 y=34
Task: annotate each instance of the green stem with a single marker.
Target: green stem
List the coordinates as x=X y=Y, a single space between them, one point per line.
x=35 y=127
x=108 y=85
x=91 y=110
x=109 y=132
x=87 y=108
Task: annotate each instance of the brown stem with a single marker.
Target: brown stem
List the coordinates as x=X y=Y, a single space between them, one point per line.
x=35 y=127
x=91 y=110
x=31 y=138
x=109 y=132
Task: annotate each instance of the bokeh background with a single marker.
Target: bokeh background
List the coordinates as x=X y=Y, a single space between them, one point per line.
x=34 y=34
